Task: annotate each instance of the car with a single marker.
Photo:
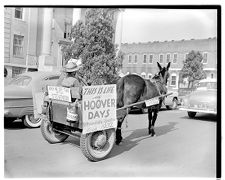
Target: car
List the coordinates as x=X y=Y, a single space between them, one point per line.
x=171 y=101
x=19 y=94
x=203 y=99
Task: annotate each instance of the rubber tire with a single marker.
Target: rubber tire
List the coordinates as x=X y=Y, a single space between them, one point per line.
x=191 y=114
x=95 y=155
x=174 y=106
x=28 y=123
x=50 y=135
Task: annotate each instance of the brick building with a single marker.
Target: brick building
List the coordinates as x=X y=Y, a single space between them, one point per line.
x=142 y=58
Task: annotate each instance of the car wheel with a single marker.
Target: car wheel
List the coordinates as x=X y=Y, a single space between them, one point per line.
x=191 y=114
x=31 y=122
x=97 y=145
x=51 y=135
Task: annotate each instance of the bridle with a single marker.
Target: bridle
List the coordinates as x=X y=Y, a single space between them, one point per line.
x=158 y=80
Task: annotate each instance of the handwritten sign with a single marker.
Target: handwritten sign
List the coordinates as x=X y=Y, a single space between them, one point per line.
x=59 y=93
x=151 y=102
x=99 y=108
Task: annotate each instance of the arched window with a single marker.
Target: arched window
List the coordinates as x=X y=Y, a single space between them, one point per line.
x=135 y=59
x=129 y=59
x=143 y=75
x=149 y=76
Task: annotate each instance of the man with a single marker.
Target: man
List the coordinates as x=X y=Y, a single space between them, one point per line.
x=69 y=78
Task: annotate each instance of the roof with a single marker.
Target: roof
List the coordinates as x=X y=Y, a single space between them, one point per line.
x=208 y=80
x=209 y=44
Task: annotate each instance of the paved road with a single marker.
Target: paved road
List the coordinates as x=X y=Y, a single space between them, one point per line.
x=183 y=147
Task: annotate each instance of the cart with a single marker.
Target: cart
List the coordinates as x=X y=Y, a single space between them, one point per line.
x=92 y=119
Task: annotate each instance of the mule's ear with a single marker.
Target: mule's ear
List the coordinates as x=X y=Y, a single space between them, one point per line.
x=168 y=66
x=160 y=68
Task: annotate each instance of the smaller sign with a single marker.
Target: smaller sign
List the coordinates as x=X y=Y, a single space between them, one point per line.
x=59 y=93
x=71 y=115
x=152 y=101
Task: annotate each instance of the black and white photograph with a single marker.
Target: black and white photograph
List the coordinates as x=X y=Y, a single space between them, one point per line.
x=112 y=91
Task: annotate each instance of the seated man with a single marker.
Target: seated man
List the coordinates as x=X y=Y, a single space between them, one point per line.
x=69 y=79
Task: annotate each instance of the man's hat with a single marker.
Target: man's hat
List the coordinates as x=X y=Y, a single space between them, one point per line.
x=72 y=66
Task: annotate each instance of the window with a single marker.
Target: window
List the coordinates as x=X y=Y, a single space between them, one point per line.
x=174 y=58
x=18 y=45
x=143 y=75
x=67 y=31
x=17 y=70
x=185 y=56
x=173 y=80
x=168 y=58
x=20 y=81
x=150 y=58
x=205 y=58
x=129 y=59
x=19 y=13
x=212 y=75
x=160 y=58
x=135 y=59
x=149 y=75
x=145 y=58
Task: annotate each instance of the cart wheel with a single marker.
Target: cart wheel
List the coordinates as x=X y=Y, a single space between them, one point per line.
x=97 y=145
x=30 y=121
x=191 y=114
x=49 y=134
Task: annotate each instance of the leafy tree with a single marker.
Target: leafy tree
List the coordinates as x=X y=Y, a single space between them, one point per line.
x=92 y=41
x=193 y=68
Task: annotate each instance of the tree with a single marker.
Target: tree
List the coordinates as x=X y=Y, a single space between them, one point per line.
x=193 y=68
x=92 y=41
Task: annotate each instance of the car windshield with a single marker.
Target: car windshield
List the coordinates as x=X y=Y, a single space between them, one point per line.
x=207 y=85
x=20 y=81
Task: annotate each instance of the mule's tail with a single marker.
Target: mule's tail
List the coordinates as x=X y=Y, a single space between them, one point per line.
x=120 y=91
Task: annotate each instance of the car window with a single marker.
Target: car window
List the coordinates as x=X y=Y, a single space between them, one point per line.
x=20 y=81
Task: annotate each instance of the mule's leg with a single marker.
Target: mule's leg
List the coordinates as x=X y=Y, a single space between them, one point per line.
x=155 y=114
x=150 y=121
x=118 y=131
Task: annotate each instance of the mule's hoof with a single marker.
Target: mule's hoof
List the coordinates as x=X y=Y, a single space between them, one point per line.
x=118 y=141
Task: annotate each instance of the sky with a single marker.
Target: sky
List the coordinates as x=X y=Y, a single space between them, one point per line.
x=143 y=25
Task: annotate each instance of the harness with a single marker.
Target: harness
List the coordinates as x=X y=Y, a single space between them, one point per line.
x=157 y=87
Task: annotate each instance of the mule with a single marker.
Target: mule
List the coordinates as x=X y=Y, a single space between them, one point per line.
x=133 y=88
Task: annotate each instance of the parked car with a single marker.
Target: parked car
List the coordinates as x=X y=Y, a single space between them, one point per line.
x=203 y=99
x=18 y=96
x=171 y=101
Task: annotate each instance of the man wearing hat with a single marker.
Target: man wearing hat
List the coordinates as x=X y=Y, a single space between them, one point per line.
x=69 y=78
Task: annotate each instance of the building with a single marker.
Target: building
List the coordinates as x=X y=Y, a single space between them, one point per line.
x=33 y=37
x=142 y=58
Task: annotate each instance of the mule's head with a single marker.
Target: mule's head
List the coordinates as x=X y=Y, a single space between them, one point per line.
x=163 y=73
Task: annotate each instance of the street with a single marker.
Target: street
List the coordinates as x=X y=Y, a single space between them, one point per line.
x=182 y=147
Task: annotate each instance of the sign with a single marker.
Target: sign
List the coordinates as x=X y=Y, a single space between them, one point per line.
x=152 y=101
x=99 y=108
x=59 y=93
